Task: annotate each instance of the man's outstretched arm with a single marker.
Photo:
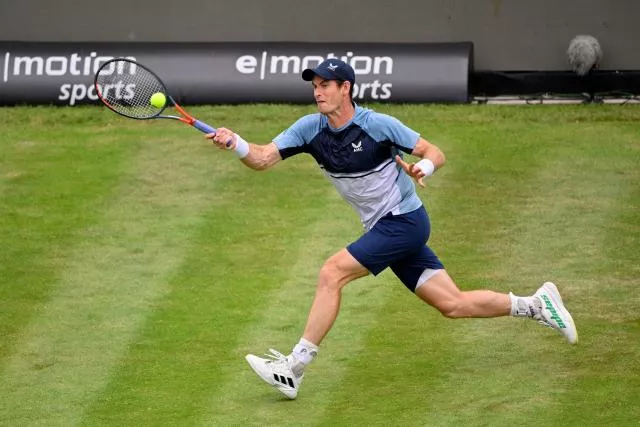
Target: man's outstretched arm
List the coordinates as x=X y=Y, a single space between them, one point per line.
x=257 y=157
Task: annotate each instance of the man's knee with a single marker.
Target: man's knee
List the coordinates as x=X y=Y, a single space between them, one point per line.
x=329 y=277
x=340 y=269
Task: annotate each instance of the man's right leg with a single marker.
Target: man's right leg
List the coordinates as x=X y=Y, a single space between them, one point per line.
x=286 y=372
x=337 y=271
x=391 y=239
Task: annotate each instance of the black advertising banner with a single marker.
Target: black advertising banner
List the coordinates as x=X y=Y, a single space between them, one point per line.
x=214 y=73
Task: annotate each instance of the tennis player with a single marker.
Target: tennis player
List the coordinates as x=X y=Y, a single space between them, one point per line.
x=362 y=153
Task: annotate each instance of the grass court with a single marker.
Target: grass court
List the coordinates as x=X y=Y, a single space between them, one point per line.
x=138 y=265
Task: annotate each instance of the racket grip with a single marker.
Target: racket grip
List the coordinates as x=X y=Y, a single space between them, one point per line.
x=203 y=127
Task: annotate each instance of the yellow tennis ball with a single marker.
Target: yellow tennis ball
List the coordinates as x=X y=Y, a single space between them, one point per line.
x=158 y=100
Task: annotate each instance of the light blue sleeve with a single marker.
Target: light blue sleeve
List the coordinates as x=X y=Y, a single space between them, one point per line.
x=293 y=140
x=383 y=127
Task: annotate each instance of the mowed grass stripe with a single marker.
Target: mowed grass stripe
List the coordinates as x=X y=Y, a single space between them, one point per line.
x=241 y=255
x=53 y=185
x=64 y=357
x=415 y=356
x=474 y=349
x=597 y=246
x=242 y=398
x=517 y=263
x=557 y=233
x=411 y=366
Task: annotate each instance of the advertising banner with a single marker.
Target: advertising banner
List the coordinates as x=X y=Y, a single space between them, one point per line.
x=215 y=73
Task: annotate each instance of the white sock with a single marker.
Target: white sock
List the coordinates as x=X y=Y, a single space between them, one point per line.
x=303 y=353
x=524 y=306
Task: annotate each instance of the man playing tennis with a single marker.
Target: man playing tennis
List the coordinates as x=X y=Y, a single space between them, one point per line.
x=361 y=153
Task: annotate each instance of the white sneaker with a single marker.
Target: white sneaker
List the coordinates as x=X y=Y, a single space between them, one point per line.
x=553 y=312
x=277 y=372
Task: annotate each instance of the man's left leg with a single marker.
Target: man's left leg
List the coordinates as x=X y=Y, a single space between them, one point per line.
x=392 y=239
x=545 y=305
x=442 y=293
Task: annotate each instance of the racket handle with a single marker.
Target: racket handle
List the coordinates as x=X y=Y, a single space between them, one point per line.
x=203 y=127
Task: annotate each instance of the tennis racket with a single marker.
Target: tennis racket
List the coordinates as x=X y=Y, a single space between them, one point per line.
x=126 y=87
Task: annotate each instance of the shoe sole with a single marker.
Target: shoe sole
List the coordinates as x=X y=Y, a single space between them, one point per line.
x=269 y=381
x=554 y=294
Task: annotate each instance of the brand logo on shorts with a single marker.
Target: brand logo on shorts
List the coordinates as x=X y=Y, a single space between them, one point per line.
x=357 y=147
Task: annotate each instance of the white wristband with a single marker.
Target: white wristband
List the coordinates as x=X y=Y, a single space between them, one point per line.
x=242 y=147
x=426 y=166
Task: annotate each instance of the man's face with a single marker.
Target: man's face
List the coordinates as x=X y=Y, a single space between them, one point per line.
x=328 y=94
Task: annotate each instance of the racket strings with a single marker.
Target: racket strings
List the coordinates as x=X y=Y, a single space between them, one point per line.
x=127 y=88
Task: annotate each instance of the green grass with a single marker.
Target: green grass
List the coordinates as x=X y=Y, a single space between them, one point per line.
x=139 y=265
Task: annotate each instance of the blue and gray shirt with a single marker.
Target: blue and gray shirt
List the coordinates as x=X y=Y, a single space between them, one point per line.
x=358 y=158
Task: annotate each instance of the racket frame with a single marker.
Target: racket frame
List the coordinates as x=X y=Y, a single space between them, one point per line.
x=185 y=117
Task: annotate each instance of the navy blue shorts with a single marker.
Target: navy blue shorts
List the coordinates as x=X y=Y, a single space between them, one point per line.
x=399 y=242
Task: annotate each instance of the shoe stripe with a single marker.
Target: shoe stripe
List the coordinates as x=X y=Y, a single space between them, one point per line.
x=283 y=380
x=557 y=301
x=554 y=294
x=555 y=311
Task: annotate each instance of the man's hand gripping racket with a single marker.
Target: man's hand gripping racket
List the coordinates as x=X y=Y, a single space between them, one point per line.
x=127 y=87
